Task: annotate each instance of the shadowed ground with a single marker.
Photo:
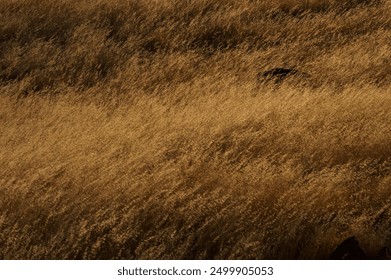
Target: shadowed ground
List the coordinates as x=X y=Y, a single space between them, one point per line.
x=141 y=129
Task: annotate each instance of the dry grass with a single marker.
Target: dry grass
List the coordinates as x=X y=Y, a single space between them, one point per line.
x=137 y=130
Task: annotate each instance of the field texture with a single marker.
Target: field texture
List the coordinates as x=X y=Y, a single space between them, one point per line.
x=140 y=129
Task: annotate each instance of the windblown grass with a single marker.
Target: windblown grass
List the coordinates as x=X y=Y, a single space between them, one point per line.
x=136 y=129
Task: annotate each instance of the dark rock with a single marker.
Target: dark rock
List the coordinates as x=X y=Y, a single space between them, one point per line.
x=278 y=75
x=349 y=249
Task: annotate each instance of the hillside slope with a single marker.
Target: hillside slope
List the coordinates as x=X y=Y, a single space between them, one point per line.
x=139 y=130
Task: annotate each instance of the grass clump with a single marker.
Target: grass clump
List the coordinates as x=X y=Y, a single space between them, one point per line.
x=138 y=130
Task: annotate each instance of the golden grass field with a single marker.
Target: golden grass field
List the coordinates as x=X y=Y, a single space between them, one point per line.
x=138 y=130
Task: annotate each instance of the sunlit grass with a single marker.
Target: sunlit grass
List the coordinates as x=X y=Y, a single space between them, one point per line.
x=137 y=129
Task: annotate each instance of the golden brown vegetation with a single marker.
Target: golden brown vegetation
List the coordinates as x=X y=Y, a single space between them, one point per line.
x=137 y=129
